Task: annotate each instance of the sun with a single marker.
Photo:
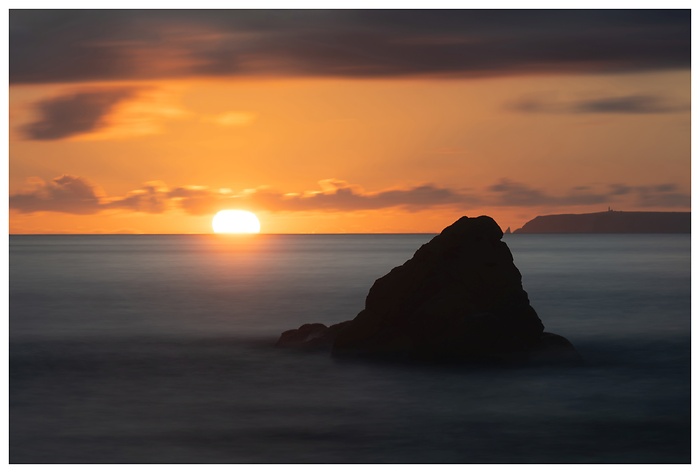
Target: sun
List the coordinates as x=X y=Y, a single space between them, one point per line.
x=235 y=221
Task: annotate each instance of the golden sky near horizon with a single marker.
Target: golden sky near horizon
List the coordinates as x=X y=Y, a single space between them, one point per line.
x=159 y=142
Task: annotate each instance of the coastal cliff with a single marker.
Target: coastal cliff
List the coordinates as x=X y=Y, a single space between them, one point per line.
x=610 y=222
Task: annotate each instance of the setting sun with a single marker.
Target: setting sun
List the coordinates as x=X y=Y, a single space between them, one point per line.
x=235 y=221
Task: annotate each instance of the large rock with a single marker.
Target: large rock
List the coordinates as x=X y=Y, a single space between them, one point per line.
x=460 y=298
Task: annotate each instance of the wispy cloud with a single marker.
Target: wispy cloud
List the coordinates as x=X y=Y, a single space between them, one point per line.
x=71 y=194
x=75 y=114
x=116 y=113
x=664 y=195
x=629 y=104
x=104 y=113
x=153 y=198
x=508 y=193
x=338 y=195
x=98 y=45
x=231 y=118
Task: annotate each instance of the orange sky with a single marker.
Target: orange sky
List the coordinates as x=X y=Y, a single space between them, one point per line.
x=343 y=154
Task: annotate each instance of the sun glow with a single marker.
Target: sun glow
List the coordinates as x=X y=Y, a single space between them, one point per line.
x=235 y=221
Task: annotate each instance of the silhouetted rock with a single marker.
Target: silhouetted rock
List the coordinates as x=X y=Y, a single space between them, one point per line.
x=460 y=298
x=311 y=336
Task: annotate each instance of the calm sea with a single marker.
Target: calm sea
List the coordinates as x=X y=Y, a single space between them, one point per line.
x=159 y=349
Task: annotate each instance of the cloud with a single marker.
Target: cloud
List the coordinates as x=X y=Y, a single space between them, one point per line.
x=335 y=195
x=103 y=113
x=620 y=189
x=507 y=193
x=74 y=114
x=199 y=200
x=340 y=196
x=49 y=46
x=152 y=198
x=630 y=104
x=68 y=194
x=664 y=195
x=75 y=195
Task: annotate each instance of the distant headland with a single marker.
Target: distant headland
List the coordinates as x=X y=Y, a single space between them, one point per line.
x=612 y=221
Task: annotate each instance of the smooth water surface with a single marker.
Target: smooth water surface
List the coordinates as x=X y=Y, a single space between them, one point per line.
x=158 y=349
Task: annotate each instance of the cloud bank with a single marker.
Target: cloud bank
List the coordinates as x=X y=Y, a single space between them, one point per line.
x=76 y=195
x=52 y=46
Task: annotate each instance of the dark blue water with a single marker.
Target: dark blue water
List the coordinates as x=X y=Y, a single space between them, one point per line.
x=158 y=349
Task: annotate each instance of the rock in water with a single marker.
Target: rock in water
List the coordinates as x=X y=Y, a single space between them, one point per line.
x=460 y=298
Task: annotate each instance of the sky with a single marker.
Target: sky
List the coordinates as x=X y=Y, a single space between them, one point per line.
x=343 y=121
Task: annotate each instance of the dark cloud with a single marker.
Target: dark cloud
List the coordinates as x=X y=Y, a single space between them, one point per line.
x=339 y=196
x=507 y=193
x=68 y=194
x=631 y=104
x=75 y=195
x=74 y=114
x=348 y=198
x=514 y=194
x=88 y=45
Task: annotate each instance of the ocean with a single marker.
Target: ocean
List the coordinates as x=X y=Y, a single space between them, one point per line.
x=159 y=349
